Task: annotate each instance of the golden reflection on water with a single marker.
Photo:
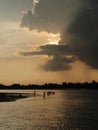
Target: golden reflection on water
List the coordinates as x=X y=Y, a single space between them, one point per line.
x=66 y=110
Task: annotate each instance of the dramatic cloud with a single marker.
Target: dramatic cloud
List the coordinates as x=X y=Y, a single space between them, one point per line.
x=51 y=15
x=60 y=57
x=77 y=22
x=84 y=35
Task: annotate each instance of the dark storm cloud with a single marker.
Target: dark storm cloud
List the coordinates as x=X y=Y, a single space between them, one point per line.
x=51 y=15
x=84 y=35
x=59 y=60
x=49 y=50
x=57 y=63
x=82 y=31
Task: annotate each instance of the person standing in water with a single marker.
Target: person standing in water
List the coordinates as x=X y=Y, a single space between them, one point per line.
x=44 y=94
x=34 y=93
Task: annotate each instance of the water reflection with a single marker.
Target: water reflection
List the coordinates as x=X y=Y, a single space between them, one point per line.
x=66 y=110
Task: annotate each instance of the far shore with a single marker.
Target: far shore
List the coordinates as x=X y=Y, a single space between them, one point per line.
x=52 y=86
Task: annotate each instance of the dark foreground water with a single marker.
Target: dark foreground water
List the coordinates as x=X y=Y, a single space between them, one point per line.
x=66 y=110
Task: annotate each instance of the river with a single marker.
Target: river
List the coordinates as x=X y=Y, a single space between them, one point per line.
x=66 y=110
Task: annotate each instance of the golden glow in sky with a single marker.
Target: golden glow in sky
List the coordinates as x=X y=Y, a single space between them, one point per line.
x=54 y=43
x=50 y=22
x=54 y=39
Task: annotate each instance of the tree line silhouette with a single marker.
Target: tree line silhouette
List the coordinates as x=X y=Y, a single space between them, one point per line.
x=64 y=85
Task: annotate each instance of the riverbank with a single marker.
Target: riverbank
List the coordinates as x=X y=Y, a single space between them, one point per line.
x=13 y=96
x=8 y=97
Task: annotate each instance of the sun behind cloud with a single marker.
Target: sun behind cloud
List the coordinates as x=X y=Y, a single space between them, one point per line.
x=54 y=43
x=54 y=39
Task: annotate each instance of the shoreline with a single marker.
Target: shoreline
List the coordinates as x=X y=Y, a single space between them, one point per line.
x=9 y=97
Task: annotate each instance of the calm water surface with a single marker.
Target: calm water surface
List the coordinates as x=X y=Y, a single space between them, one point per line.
x=66 y=110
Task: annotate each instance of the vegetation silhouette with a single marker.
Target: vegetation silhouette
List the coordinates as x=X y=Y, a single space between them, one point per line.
x=64 y=85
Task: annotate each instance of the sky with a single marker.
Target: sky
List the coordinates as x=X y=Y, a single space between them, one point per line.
x=48 y=41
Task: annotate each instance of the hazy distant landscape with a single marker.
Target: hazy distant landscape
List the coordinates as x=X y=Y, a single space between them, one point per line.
x=64 y=85
x=13 y=96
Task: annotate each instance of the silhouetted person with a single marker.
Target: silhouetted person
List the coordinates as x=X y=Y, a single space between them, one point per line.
x=20 y=95
x=44 y=94
x=34 y=93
